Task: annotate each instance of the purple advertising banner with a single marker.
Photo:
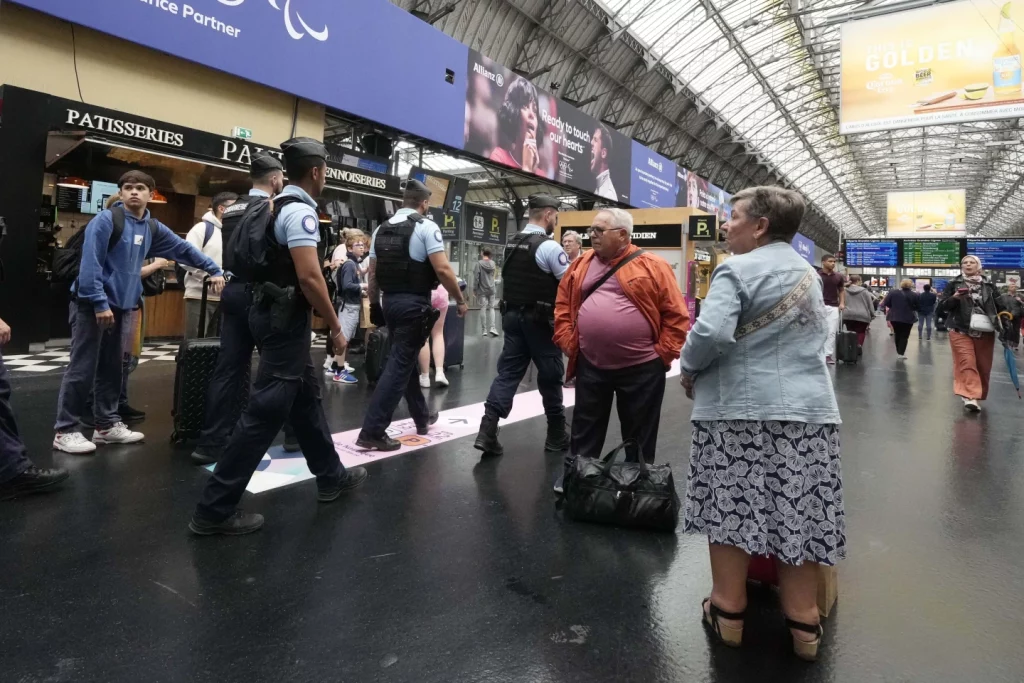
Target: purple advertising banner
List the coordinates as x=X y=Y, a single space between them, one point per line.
x=804 y=246
x=511 y=122
x=352 y=55
x=652 y=179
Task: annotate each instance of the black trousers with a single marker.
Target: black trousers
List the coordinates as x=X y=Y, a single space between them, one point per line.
x=902 y=336
x=638 y=391
x=286 y=387
x=13 y=460
x=526 y=341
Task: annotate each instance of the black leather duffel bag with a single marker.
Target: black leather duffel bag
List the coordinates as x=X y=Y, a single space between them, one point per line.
x=629 y=494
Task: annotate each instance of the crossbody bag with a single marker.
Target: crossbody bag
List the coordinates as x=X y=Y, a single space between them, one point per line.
x=780 y=309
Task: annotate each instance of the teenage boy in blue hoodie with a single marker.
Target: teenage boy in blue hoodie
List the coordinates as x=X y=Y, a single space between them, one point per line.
x=107 y=287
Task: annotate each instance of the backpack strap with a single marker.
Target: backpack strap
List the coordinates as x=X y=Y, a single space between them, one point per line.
x=117 y=215
x=209 y=232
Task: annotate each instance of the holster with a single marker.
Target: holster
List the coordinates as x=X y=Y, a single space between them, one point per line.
x=429 y=318
x=280 y=301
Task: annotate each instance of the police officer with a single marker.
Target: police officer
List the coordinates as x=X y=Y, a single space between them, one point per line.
x=407 y=261
x=286 y=385
x=534 y=265
x=236 y=341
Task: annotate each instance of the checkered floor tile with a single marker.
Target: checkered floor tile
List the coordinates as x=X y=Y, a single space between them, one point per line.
x=58 y=359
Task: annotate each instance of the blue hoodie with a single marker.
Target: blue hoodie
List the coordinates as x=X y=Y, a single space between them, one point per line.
x=111 y=279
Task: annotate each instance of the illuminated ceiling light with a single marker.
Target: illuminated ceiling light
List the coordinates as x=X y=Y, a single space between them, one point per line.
x=158 y=198
x=72 y=181
x=325 y=218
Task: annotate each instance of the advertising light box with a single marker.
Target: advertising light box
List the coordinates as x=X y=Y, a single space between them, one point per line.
x=652 y=179
x=872 y=253
x=512 y=122
x=926 y=213
x=998 y=253
x=931 y=253
x=949 y=63
x=804 y=246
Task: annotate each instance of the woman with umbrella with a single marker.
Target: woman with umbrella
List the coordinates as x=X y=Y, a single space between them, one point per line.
x=973 y=304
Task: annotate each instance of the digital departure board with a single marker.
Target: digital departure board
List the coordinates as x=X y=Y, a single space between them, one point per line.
x=937 y=253
x=998 y=253
x=877 y=253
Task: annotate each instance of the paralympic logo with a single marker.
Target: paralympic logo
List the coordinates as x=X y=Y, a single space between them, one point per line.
x=288 y=23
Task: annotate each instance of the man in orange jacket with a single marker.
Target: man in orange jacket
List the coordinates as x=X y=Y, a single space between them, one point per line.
x=621 y=319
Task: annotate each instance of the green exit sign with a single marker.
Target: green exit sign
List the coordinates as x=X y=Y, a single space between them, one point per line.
x=243 y=133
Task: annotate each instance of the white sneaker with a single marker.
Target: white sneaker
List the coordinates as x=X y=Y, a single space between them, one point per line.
x=328 y=362
x=73 y=442
x=119 y=433
x=484 y=333
x=440 y=379
x=425 y=381
x=971 y=405
x=349 y=369
x=494 y=332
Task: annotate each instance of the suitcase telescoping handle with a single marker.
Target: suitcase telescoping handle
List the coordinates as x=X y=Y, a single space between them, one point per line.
x=202 y=308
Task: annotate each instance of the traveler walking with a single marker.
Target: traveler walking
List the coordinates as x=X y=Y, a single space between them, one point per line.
x=752 y=364
x=620 y=339
x=107 y=287
x=973 y=305
x=18 y=476
x=349 y=298
x=286 y=384
x=534 y=265
x=407 y=261
x=834 y=294
x=234 y=362
x=435 y=342
x=926 y=311
x=206 y=237
x=1014 y=303
x=901 y=311
x=484 y=291
x=860 y=310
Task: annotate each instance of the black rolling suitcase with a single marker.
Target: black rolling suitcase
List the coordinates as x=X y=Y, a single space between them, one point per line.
x=846 y=345
x=378 y=346
x=196 y=360
x=454 y=338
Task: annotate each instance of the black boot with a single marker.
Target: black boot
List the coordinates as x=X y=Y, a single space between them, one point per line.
x=487 y=438
x=557 y=440
x=291 y=443
x=32 y=480
x=425 y=429
x=205 y=455
x=130 y=415
x=384 y=443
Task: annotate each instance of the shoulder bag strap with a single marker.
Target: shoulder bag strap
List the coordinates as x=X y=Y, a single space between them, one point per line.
x=784 y=305
x=117 y=216
x=604 y=278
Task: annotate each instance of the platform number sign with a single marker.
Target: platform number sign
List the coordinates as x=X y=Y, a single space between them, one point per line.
x=703 y=228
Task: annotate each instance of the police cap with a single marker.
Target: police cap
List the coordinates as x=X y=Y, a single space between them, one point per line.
x=300 y=148
x=263 y=164
x=543 y=201
x=416 y=190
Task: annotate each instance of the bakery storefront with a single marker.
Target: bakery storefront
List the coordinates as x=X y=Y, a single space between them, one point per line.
x=61 y=160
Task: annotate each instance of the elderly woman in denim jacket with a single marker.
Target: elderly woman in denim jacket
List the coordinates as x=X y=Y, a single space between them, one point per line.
x=764 y=472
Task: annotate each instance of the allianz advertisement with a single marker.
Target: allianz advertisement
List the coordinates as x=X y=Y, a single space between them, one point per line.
x=949 y=63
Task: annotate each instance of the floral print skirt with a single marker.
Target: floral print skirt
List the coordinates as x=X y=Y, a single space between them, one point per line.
x=769 y=488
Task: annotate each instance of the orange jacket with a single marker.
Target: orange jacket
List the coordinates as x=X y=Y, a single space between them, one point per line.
x=649 y=283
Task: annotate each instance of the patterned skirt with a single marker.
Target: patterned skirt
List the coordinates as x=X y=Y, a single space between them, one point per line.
x=769 y=488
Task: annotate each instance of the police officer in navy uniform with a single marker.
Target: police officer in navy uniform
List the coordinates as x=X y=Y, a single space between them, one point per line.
x=236 y=341
x=286 y=384
x=407 y=261
x=534 y=265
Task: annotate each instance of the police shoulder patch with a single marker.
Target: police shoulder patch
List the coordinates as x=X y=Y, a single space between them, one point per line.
x=437 y=236
x=563 y=259
x=309 y=224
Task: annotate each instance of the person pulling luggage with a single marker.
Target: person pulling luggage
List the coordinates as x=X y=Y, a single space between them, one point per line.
x=534 y=265
x=407 y=261
x=278 y=250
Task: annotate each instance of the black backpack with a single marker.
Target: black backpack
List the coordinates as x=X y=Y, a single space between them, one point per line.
x=179 y=270
x=68 y=261
x=249 y=241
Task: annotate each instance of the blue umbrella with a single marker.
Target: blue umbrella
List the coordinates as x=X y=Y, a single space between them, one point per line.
x=1007 y=321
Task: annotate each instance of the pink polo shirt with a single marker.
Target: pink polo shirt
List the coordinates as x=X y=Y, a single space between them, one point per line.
x=613 y=332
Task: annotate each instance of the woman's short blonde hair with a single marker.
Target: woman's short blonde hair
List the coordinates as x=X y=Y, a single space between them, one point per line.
x=906 y=284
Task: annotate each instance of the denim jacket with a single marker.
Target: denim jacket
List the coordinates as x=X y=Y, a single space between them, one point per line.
x=776 y=371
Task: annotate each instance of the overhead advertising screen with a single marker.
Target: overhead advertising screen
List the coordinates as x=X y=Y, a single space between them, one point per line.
x=926 y=213
x=872 y=253
x=511 y=122
x=998 y=253
x=804 y=246
x=935 y=253
x=949 y=63
x=652 y=180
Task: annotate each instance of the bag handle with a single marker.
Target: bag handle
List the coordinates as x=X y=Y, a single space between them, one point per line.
x=608 y=459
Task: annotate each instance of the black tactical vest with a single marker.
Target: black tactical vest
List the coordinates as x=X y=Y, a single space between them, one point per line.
x=396 y=271
x=229 y=222
x=281 y=269
x=523 y=282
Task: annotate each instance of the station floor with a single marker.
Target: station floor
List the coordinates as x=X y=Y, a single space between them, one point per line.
x=445 y=568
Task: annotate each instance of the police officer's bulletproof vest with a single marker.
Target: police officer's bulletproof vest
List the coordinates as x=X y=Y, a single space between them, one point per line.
x=229 y=222
x=281 y=267
x=396 y=271
x=523 y=282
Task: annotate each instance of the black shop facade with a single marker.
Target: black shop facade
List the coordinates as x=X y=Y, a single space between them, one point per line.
x=60 y=160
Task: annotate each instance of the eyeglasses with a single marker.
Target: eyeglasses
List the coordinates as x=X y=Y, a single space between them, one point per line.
x=600 y=231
